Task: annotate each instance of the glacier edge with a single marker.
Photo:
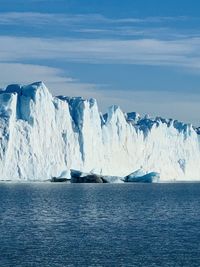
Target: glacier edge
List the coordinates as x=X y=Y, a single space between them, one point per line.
x=42 y=136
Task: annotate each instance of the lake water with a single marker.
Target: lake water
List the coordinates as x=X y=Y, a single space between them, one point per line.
x=99 y=225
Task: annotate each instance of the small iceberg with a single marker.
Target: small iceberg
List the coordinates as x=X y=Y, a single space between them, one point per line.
x=140 y=176
x=81 y=177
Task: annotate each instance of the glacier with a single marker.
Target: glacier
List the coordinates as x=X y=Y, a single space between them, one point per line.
x=42 y=136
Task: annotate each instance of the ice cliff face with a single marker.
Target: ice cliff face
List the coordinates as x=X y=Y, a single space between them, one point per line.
x=43 y=136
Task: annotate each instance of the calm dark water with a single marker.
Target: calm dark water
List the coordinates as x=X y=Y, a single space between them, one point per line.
x=99 y=225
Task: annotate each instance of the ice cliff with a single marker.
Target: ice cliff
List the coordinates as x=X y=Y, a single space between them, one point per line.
x=43 y=136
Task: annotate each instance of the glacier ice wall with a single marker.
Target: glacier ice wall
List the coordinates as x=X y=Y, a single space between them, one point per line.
x=43 y=136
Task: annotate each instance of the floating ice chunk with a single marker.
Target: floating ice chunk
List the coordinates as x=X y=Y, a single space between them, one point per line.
x=147 y=178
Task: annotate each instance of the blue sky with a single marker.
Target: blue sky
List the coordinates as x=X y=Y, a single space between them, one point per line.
x=143 y=55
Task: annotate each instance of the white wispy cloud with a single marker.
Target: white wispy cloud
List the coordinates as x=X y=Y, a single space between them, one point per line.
x=45 y=18
x=50 y=24
x=181 y=53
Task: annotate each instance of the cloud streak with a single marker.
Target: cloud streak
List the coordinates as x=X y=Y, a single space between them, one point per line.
x=49 y=24
x=178 y=53
x=45 y=18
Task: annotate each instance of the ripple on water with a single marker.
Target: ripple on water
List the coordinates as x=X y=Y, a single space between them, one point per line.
x=99 y=225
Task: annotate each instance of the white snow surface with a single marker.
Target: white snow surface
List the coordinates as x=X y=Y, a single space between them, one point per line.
x=42 y=136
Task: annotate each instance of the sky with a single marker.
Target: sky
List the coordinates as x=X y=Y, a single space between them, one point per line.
x=143 y=55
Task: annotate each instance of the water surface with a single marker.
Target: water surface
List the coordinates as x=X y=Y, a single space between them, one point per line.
x=99 y=225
